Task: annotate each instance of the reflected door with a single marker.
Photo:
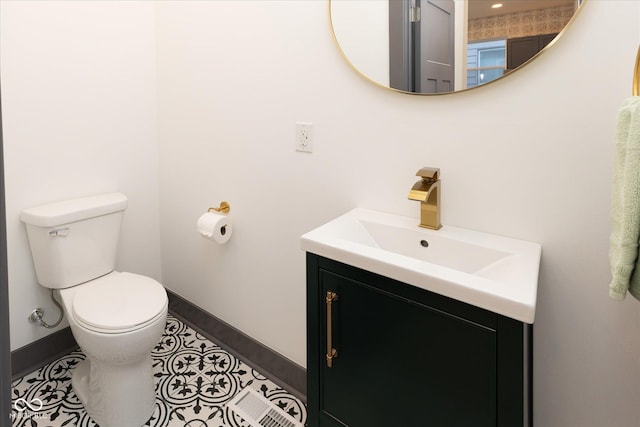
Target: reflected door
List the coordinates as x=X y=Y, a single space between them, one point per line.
x=421 y=45
x=436 y=37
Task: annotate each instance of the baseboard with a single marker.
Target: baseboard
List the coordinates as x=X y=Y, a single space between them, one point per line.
x=276 y=367
x=45 y=350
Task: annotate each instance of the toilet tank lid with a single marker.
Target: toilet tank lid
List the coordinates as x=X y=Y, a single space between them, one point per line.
x=68 y=211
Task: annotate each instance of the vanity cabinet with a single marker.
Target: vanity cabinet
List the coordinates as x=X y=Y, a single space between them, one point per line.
x=408 y=357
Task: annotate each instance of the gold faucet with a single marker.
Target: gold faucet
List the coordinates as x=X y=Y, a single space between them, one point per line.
x=427 y=192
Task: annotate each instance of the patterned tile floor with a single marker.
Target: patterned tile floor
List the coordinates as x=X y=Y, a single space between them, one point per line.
x=194 y=380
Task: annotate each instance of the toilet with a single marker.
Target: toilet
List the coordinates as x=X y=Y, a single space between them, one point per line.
x=117 y=318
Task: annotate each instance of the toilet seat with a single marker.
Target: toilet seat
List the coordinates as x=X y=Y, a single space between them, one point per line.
x=118 y=303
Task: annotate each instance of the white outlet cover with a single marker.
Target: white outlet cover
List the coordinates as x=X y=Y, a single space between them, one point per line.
x=304 y=137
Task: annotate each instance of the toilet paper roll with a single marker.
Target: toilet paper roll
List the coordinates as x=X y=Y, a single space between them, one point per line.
x=215 y=227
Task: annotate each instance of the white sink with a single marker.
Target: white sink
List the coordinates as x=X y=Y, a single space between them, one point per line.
x=496 y=273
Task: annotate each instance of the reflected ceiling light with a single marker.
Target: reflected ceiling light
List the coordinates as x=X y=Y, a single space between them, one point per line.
x=496 y=5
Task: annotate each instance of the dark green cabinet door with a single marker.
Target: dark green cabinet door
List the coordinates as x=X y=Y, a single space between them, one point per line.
x=401 y=362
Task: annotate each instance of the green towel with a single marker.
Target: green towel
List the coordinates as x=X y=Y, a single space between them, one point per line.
x=625 y=203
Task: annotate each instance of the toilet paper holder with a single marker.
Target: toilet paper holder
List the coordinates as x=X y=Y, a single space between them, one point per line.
x=223 y=208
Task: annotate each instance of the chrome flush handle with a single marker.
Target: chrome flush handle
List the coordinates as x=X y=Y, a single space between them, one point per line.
x=59 y=232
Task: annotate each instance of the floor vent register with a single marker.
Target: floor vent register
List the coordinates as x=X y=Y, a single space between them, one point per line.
x=259 y=411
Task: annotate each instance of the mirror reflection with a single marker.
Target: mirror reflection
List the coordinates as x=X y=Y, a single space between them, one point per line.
x=443 y=46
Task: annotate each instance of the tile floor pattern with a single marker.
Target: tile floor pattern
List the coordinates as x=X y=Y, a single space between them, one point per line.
x=194 y=380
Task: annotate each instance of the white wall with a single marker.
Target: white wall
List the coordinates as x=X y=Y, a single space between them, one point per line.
x=529 y=156
x=79 y=117
x=361 y=29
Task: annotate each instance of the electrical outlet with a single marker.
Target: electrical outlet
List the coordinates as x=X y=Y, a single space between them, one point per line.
x=304 y=137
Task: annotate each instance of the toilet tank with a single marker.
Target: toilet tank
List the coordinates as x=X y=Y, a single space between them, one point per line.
x=74 y=241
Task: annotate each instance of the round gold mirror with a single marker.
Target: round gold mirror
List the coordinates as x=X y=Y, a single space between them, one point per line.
x=445 y=46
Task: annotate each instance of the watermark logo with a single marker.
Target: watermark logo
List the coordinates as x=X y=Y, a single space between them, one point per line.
x=28 y=409
x=22 y=405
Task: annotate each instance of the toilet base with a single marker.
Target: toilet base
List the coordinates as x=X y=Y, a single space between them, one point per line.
x=80 y=381
x=116 y=395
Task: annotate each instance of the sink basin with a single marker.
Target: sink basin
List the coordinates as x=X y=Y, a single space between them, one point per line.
x=496 y=273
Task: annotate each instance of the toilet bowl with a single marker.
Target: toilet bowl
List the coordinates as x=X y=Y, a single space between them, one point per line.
x=117 y=318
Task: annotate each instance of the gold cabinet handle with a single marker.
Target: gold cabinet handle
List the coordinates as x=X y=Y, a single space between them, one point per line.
x=331 y=352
